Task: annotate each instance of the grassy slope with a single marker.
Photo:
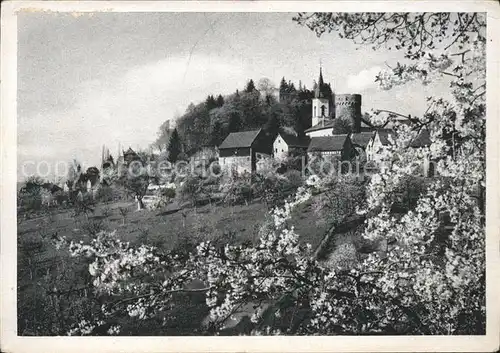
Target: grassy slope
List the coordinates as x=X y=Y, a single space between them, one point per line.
x=160 y=228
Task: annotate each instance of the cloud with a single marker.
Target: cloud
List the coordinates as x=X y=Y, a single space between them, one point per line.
x=128 y=109
x=363 y=80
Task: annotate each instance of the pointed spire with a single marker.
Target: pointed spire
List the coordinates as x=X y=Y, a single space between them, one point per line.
x=321 y=90
x=320 y=81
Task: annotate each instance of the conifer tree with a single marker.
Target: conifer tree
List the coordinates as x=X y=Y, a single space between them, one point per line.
x=220 y=101
x=174 y=146
x=217 y=134
x=272 y=126
x=250 y=86
x=234 y=122
x=210 y=102
x=283 y=85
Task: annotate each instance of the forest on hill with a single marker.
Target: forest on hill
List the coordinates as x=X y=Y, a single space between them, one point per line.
x=257 y=106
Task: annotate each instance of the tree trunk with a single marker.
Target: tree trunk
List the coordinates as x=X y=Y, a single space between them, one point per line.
x=30 y=268
x=140 y=204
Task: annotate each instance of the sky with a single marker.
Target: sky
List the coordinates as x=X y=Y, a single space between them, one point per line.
x=110 y=78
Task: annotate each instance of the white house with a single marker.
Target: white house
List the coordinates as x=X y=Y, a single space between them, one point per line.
x=384 y=137
x=360 y=142
x=379 y=139
x=286 y=144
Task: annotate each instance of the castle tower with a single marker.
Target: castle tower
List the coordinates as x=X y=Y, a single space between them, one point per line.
x=321 y=101
x=348 y=107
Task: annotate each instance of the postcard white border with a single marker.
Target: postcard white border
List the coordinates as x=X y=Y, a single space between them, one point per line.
x=11 y=343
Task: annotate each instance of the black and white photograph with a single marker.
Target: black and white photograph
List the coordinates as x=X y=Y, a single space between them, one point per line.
x=236 y=172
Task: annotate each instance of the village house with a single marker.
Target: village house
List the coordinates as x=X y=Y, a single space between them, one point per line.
x=51 y=194
x=385 y=137
x=130 y=156
x=381 y=138
x=360 y=142
x=288 y=144
x=335 y=146
x=240 y=151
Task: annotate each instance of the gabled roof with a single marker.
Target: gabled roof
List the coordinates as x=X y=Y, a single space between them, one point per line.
x=129 y=151
x=321 y=126
x=240 y=139
x=327 y=143
x=384 y=136
x=53 y=188
x=295 y=141
x=423 y=139
x=361 y=139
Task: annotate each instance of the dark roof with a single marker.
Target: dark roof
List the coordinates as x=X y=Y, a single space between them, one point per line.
x=129 y=151
x=240 y=139
x=361 y=139
x=321 y=89
x=321 y=126
x=423 y=139
x=327 y=143
x=384 y=136
x=53 y=188
x=295 y=141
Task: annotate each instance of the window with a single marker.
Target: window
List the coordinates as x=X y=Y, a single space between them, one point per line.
x=282 y=150
x=276 y=150
x=314 y=111
x=431 y=171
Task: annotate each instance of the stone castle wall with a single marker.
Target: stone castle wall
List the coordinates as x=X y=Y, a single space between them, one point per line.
x=348 y=107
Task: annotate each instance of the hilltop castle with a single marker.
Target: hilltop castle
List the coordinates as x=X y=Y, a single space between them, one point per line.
x=327 y=106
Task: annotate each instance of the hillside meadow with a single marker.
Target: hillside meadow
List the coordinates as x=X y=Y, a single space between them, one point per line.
x=53 y=287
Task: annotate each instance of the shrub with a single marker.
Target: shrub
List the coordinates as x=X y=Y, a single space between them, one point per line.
x=30 y=201
x=105 y=194
x=293 y=163
x=165 y=196
x=237 y=190
x=294 y=178
x=190 y=190
x=60 y=197
x=272 y=188
x=84 y=206
x=93 y=226
x=216 y=169
x=106 y=211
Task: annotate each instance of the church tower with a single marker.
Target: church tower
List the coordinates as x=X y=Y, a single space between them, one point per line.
x=321 y=101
